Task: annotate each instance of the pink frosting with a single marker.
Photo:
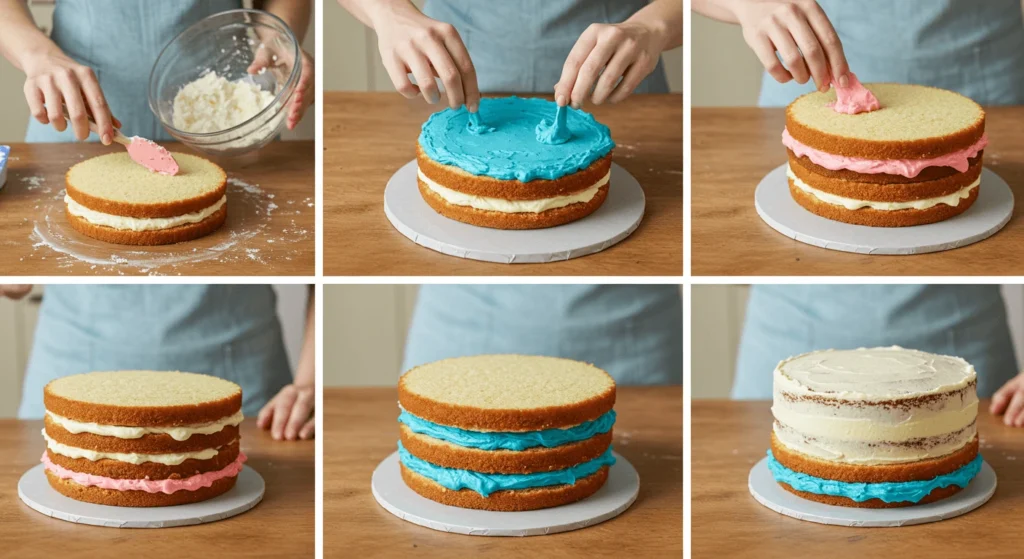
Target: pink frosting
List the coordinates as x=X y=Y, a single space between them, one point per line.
x=854 y=98
x=167 y=486
x=909 y=168
x=152 y=156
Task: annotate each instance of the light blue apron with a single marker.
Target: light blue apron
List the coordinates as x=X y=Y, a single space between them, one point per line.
x=120 y=40
x=975 y=47
x=635 y=332
x=967 y=321
x=521 y=46
x=229 y=331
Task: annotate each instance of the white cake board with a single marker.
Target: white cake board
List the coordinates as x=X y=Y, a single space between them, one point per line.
x=618 y=216
x=36 y=492
x=990 y=212
x=767 y=492
x=615 y=497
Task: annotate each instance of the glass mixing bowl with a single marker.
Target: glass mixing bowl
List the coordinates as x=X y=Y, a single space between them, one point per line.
x=227 y=43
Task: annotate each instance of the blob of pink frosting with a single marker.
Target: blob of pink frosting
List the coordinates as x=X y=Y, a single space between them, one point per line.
x=167 y=486
x=152 y=156
x=854 y=98
x=909 y=168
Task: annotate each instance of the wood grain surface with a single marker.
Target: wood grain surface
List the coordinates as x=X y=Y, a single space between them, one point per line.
x=730 y=437
x=733 y=149
x=368 y=136
x=284 y=171
x=282 y=525
x=361 y=430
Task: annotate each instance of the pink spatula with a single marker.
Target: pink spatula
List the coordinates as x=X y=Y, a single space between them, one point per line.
x=142 y=151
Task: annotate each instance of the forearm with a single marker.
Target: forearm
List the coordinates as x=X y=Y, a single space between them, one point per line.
x=19 y=36
x=369 y=12
x=296 y=13
x=666 y=18
x=722 y=10
x=305 y=372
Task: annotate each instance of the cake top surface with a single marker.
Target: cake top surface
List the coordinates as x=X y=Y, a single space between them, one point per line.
x=508 y=382
x=143 y=389
x=115 y=177
x=506 y=147
x=909 y=112
x=876 y=374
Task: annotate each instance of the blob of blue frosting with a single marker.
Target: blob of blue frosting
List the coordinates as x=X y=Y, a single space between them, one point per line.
x=511 y=151
x=476 y=127
x=554 y=132
x=485 y=484
x=889 y=492
x=508 y=440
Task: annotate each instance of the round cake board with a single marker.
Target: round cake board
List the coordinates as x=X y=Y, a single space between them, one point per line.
x=617 y=494
x=35 y=491
x=767 y=492
x=616 y=219
x=989 y=213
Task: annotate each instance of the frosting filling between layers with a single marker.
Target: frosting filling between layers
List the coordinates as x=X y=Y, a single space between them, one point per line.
x=167 y=486
x=509 y=440
x=868 y=453
x=889 y=492
x=122 y=432
x=125 y=223
x=172 y=459
x=853 y=204
x=512 y=206
x=485 y=484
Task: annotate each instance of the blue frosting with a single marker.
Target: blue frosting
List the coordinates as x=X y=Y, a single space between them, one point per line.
x=512 y=150
x=890 y=492
x=554 y=132
x=476 y=127
x=485 y=484
x=507 y=440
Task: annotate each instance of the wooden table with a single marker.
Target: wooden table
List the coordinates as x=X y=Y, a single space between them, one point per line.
x=286 y=247
x=368 y=136
x=733 y=149
x=730 y=437
x=360 y=430
x=282 y=525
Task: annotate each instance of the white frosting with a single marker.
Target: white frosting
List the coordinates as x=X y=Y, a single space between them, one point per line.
x=512 y=206
x=130 y=458
x=177 y=433
x=852 y=204
x=212 y=103
x=137 y=223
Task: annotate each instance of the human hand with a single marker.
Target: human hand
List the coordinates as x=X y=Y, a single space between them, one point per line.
x=53 y=80
x=628 y=50
x=15 y=292
x=801 y=33
x=289 y=414
x=1009 y=401
x=304 y=94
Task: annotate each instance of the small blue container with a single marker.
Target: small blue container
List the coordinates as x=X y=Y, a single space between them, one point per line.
x=5 y=152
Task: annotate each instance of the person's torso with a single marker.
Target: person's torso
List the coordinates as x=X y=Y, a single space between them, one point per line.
x=521 y=46
x=120 y=40
x=973 y=47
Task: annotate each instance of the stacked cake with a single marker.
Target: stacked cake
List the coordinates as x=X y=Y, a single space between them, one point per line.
x=142 y=438
x=916 y=160
x=114 y=199
x=874 y=428
x=517 y=164
x=506 y=432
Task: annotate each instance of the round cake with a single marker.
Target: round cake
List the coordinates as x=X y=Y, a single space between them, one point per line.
x=516 y=164
x=916 y=160
x=114 y=199
x=506 y=432
x=142 y=438
x=874 y=428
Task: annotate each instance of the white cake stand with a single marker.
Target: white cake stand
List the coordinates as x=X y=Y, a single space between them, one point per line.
x=767 y=492
x=35 y=491
x=989 y=213
x=617 y=494
x=616 y=219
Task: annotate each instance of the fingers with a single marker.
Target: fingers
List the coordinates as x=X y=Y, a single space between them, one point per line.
x=636 y=73
x=301 y=410
x=302 y=93
x=446 y=69
x=829 y=41
x=1015 y=411
x=789 y=52
x=15 y=291
x=810 y=48
x=399 y=74
x=265 y=415
x=467 y=72
x=591 y=69
x=420 y=67
x=577 y=56
x=71 y=91
x=97 y=104
x=614 y=71
x=765 y=51
x=54 y=104
x=36 y=102
x=1002 y=397
x=283 y=403
x=308 y=429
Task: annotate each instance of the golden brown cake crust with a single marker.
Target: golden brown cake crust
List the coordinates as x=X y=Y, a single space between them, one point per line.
x=152 y=470
x=504 y=220
x=935 y=495
x=114 y=498
x=514 y=500
x=170 y=236
x=164 y=416
x=927 y=174
x=881 y=218
x=169 y=209
x=457 y=179
x=538 y=459
x=146 y=444
x=851 y=473
x=925 y=148
x=898 y=192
